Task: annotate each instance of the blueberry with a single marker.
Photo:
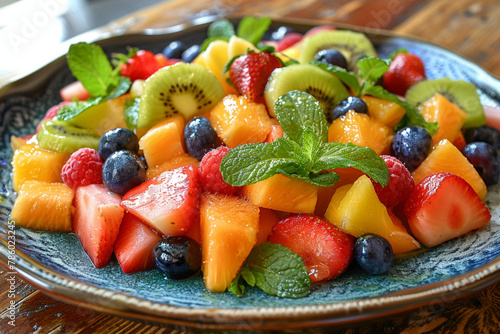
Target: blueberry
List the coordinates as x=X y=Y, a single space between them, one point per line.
x=278 y=34
x=174 y=50
x=199 y=137
x=411 y=145
x=190 y=54
x=331 y=56
x=122 y=171
x=178 y=257
x=351 y=103
x=116 y=140
x=373 y=253
x=485 y=134
x=484 y=158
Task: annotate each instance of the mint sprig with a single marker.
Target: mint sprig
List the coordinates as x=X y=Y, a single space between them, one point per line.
x=276 y=270
x=370 y=69
x=348 y=78
x=303 y=153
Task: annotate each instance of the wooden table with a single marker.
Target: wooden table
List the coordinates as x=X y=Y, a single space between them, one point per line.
x=468 y=27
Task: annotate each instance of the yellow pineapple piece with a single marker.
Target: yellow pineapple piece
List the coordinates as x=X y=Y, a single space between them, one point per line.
x=238 y=46
x=229 y=226
x=216 y=56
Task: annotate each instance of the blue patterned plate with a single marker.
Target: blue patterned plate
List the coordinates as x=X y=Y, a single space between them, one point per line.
x=57 y=264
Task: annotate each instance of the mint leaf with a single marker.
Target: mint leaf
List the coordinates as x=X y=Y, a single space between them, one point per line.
x=220 y=28
x=131 y=112
x=121 y=88
x=76 y=108
x=310 y=144
x=236 y=288
x=90 y=65
x=298 y=111
x=323 y=179
x=348 y=78
x=252 y=29
x=371 y=69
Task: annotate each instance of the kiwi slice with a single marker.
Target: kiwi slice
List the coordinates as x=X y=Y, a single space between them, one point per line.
x=59 y=136
x=326 y=88
x=186 y=89
x=353 y=45
x=462 y=93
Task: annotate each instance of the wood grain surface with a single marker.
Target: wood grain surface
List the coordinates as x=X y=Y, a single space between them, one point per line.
x=470 y=28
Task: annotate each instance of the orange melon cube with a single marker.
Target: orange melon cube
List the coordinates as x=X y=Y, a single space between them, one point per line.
x=229 y=226
x=362 y=130
x=238 y=121
x=267 y=219
x=448 y=115
x=164 y=141
x=386 y=112
x=446 y=157
x=179 y=161
x=282 y=194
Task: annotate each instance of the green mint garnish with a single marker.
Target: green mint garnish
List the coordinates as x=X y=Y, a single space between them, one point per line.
x=131 y=112
x=371 y=69
x=348 y=78
x=252 y=29
x=76 y=108
x=276 y=270
x=220 y=28
x=303 y=153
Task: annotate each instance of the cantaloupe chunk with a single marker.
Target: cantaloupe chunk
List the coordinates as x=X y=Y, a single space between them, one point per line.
x=282 y=194
x=238 y=121
x=356 y=209
x=361 y=129
x=448 y=115
x=31 y=162
x=386 y=112
x=164 y=141
x=445 y=157
x=44 y=206
x=267 y=219
x=178 y=161
x=229 y=226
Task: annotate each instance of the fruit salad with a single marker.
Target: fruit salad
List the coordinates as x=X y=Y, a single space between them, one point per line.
x=269 y=159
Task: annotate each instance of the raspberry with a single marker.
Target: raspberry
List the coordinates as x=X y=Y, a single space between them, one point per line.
x=400 y=184
x=209 y=172
x=83 y=167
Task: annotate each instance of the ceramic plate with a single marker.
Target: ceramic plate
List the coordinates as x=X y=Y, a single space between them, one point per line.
x=57 y=264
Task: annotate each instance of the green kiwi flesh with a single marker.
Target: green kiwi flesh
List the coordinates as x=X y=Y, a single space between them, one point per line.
x=462 y=93
x=59 y=136
x=326 y=88
x=186 y=89
x=353 y=45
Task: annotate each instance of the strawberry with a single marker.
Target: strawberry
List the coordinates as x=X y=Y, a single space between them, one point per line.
x=442 y=207
x=134 y=245
x=140 y=66
x=249 y=74
x=168 y=203
x=405 y=70
x=96 y=221
x=74 y=91
x=326 y=251
x=288 y=40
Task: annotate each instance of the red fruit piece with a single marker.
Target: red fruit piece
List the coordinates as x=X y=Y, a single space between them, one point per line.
x=141 y=66
x=400 y=184
x=315 y=30
x=288 y=40
x=168 y=203
x=405 y=70
x=83 y=167
x=134 y=245
x=74 y=91
x=210 y=175
x=164 y=61
x=96 y=221
x=442 y=207
x=249 y=74
x=51 y=113
x=326 y=251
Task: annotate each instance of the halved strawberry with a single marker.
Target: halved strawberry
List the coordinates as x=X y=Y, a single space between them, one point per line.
x=96 y=221
x=134 y=245
x=168 y=203
x=326 y=250
x=442 y=207
x=74 y=91
x=140 y=66
x=405 y=71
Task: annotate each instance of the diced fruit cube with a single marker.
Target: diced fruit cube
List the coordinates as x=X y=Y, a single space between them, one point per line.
x=445 y=157
x=96 y=222
x=238 y=46
x=229 y=227
x=282 y=194
x=362 y=130
x=238 y=121
x=32 y=162
x=44 y=206
x=216 y=57
x=267 y=219
x=386 y=112
x=168 y=203
x=134 y=245
x=357 y=210
x=164 y=141
x=448 y=115
x=179 y=161
x=442 y=207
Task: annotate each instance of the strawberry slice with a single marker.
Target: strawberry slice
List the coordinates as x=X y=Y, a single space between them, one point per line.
x=96 y=221
x=168 y=203
x=249 y=74
x=327 y=257
x=405 y=71
x=134 y=245
x=442 y=207
x=140 y=66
